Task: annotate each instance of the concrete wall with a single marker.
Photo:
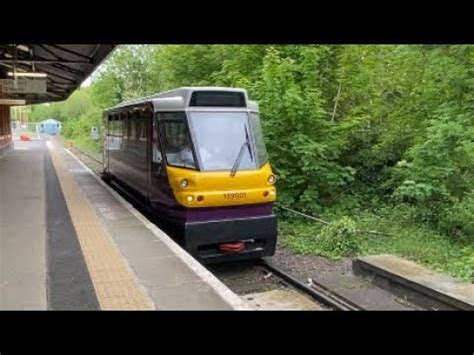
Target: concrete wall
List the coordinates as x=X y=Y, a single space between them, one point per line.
x=5 y=130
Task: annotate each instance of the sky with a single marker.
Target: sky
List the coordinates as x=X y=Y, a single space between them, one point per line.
x=91 y=77
x=87 y=82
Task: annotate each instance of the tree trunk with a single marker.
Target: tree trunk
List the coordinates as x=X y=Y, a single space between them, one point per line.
x=335 y=102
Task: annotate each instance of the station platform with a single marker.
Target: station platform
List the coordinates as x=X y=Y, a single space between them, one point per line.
x=430 y=289
x=70 y=242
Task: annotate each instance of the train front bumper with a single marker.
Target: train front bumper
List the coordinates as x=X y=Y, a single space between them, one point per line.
x=201 y=239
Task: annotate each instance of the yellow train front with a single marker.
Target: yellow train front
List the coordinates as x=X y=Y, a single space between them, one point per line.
x=197 y=157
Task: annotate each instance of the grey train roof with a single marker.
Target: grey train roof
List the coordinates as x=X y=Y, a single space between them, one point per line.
x=178 y=99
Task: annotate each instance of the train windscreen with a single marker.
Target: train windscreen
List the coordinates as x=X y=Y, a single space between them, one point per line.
x=220 y=138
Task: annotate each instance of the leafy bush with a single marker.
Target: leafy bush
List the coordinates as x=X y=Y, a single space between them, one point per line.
x=400 y=236
x=79 y=130
x=459 y=219
x=339 y=238
x=387 y=129
x=440 y=176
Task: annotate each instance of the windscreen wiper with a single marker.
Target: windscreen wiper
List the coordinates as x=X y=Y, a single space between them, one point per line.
x=241 y=153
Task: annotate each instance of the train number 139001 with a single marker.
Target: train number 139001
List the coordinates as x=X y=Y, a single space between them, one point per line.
x=235 y=195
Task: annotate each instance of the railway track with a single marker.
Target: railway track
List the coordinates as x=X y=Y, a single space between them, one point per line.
x=88 y=155
x=315 y=290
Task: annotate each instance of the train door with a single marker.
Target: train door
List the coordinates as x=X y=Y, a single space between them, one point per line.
x=158 y=185
x=144 y=116
x=105 y=150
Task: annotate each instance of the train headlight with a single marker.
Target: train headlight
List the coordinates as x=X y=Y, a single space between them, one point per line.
x=184 y=183
x=271 y=179
x=190 y=198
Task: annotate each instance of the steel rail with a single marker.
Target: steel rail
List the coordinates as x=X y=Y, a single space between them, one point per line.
x=315 y=290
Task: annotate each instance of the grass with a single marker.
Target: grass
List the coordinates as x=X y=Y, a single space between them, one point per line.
x=85 y=143
x=403 y=238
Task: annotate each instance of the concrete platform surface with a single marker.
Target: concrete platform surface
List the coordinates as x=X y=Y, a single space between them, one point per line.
x=69 y=242
x=364 y=293
x=416 y=278
x=22 y=228
x=280 y=300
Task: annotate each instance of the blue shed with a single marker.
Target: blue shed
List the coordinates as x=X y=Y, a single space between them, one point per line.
x=50 y=126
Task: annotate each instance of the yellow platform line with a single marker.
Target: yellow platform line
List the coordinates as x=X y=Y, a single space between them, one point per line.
x=114 y=283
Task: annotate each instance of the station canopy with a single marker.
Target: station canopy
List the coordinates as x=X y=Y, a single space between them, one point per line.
x=38 y=73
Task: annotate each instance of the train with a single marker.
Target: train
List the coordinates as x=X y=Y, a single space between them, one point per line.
x=196 y=157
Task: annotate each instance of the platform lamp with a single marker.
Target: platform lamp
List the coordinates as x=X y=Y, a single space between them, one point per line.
x=15 y=74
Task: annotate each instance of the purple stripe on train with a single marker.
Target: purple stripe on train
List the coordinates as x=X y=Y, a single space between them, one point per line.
x=218 y=213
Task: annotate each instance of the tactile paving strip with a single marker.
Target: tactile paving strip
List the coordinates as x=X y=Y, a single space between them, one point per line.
x=114 y=283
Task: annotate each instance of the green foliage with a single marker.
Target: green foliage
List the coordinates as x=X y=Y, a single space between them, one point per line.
x=409 y=239
x=294 y=116
x=440 y=175
x=79 y=130
x=335 y=240
x=398 y=235
x=77 y=104
x=459 y=219
x=78 y=114
x=348 y=128
x=339 y=238
x=127 y=75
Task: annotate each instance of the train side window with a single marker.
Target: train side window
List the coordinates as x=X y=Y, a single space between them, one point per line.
x=107 y=126
x=138 y=125
x=112 y=126
x=115 y=126
x=141 y=130
x=118 y=131
x=177 y=143
x=129 y=126
x=125 y=125
x=118 y=126
x=144 y=125
x=259 y=138
x=157 y=156
x=133 y=123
